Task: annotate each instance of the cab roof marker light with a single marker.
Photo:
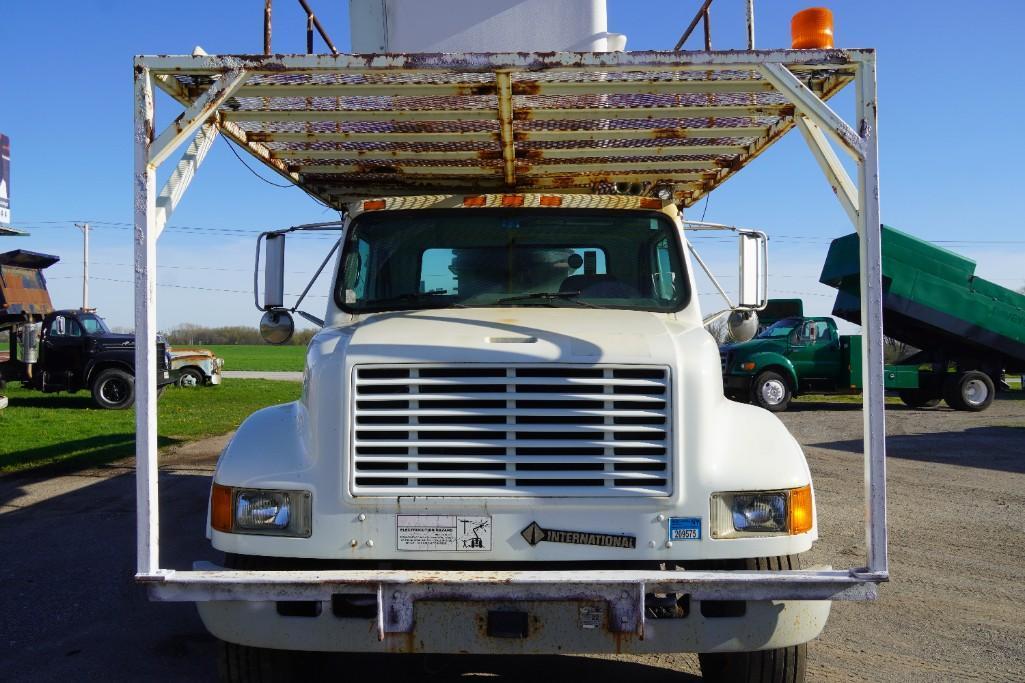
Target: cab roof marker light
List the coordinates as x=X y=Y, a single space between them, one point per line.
x=550 y=200
x=512 y=200
x=374 y=204
x=476 y=200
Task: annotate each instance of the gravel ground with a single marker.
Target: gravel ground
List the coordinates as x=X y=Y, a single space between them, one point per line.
x=952 y=612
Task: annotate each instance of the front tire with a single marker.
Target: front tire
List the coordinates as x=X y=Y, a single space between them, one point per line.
x=246 y=664
x=191 y=377
x=771 y=391
x=972 y=391
x=781 y=665
x=113 y=389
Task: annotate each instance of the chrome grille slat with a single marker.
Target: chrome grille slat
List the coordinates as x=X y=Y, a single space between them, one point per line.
x=521 y=430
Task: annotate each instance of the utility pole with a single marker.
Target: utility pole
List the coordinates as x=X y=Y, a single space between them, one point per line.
x=84 y=227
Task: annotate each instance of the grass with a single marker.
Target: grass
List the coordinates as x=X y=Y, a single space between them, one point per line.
x=39 y=430
x=260 y=357
x=840 y=398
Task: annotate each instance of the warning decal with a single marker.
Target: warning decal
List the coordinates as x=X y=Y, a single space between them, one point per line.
x=442 y=532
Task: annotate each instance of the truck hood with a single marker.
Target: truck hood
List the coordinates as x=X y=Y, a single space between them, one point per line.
x=114 y=340
x=565 y=335
x=754 y=346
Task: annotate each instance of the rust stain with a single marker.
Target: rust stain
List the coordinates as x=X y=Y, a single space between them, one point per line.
x=531 y=154
x=476 y=89
x=490 y=155
x=522 y=115
x=526 y=88
x=377 y=168
x=669 y=133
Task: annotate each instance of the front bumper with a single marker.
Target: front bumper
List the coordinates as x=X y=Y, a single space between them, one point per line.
x=599 y=612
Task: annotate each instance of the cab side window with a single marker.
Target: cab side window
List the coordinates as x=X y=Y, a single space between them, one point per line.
x=823 y=333
x=58 y=327
x=805 y=333
x=62 y=326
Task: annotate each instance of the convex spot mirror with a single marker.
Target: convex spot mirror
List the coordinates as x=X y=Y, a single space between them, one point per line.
x=742 y=325
x=277 y=326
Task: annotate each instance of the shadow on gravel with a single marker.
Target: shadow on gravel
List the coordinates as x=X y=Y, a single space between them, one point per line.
x=88 y=452
x=993 y=448
x=801 y=406
x=526 y=668
x=72 y=611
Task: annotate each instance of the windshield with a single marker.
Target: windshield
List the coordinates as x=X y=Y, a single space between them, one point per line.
x=400 y=260
x=780 y=328
x=93 y=324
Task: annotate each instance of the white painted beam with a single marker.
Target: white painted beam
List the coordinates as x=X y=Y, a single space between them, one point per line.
x=183 y=174
x=871 y=289
x=147 y=511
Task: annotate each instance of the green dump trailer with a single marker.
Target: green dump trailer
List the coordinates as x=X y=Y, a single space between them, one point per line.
x=969 y=332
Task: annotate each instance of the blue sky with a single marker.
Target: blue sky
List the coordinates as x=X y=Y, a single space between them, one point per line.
x=951 y=151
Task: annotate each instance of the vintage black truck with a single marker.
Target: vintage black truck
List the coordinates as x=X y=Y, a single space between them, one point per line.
x=65 y=350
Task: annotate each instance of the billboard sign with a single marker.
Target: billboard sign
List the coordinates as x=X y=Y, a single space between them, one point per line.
x=5 y=180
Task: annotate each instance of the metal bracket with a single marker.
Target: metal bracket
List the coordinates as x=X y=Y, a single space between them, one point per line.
x=809 y=104
x=196 y=115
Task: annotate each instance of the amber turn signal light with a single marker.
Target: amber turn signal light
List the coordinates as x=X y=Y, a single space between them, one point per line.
x=220 y=508
x=801 y=510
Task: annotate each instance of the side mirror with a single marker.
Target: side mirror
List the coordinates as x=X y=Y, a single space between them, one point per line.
x=753 y=277
x=277 y=326
x=273 y=271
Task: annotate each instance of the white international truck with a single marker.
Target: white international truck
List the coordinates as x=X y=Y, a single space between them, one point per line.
x=512 y=435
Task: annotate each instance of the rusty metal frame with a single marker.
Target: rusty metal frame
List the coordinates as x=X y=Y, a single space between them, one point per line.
x=804 y=77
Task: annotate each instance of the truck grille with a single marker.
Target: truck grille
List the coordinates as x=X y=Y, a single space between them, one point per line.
x=473 y=430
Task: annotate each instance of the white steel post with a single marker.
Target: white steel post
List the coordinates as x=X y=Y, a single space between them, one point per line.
x=148 y=545
x=871 y=318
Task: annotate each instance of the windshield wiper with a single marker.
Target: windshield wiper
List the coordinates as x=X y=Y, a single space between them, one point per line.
x=413 y=298
x=548 y=297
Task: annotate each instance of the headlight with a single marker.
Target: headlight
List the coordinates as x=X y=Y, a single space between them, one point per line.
x=261 y=511
x=761 y=513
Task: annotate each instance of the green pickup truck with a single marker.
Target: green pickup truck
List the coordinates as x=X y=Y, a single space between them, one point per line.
x=969 y=332
x=797 y=355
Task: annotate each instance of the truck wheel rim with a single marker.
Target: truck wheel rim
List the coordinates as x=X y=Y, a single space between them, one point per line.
x=773 y=392
x=113 y=390
x=975 y=392
x=189 y=380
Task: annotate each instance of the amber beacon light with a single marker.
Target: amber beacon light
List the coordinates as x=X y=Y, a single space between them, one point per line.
x=812 y=28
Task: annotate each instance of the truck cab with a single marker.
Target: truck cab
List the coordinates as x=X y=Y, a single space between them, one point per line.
x=793 y=355
x=72 y=350
x=510 y=381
